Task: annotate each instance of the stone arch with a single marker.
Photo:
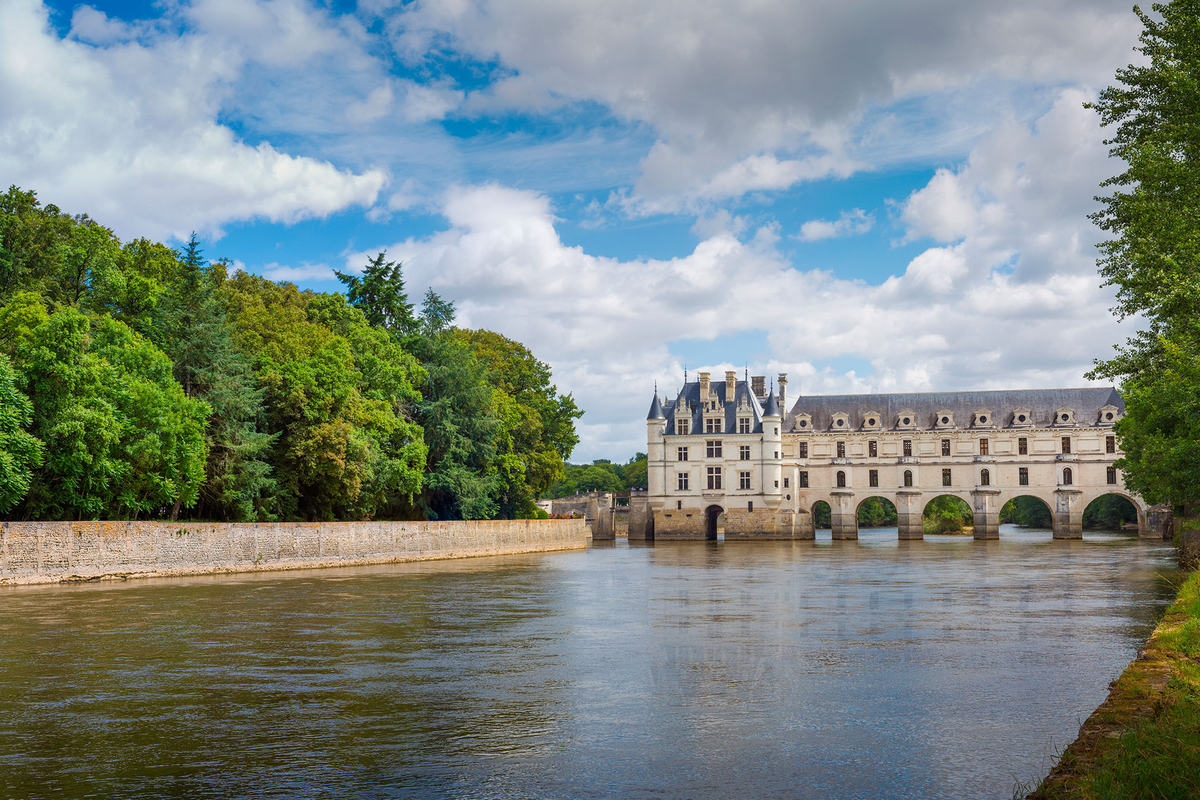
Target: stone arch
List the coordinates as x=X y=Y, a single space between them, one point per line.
x=937 y=514
x=889 y=509
x=822 y=520
x=1038 y=515
x=1139 y=505
x=1130 y=513
x=711 y=515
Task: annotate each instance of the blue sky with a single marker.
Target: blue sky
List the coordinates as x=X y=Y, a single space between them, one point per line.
x=869 y=196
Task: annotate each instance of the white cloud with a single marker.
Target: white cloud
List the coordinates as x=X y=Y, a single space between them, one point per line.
x=1013 y=301
x=849 y=223
x=128 y=131
x=304 y=272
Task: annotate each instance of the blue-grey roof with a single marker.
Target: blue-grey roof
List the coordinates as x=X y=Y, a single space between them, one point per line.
x=689 y=396
x=926 y=406
x=772 y=409
x=656 y=410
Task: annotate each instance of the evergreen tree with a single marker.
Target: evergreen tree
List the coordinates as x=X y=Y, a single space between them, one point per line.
x=380 y=295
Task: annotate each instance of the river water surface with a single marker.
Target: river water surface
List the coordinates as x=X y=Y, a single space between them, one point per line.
x=943 y=668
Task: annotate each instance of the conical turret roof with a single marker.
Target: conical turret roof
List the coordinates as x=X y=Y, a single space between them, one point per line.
x=772 y=407
x=656 y=409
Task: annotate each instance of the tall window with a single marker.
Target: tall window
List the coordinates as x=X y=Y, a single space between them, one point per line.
x=873 y=448
x=712 y=425
x=714 y=477
x=1066 y=441
x=803 y=449
x=1067 y=477
x=1112 y=476
x=714 y=448
x=983 y=447
x=803 y=479
x=908 y=477
x=1022 y=446
x=786 y=482
x=908 y=447
x=1110 y=444
x=841 y=449
x=681 y=427
x=682 y=479
x=681 y=454
x=1023 y=476
x=945 y=447
x=873 y=477
x=946 y=477
x=743 y=480
x=743 y=424
x=744 y=452
x=985 y=478
x=841 y=479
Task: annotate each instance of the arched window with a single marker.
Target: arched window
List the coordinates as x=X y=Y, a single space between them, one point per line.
x=841 y=479
x=985 y=478
x=908 y=477
x=1067 y=476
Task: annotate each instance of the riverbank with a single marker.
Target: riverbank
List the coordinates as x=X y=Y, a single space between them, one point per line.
x=1144 y=740
x=66 y=552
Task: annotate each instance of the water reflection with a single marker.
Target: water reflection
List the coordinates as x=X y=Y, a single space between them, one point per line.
x=937 y=668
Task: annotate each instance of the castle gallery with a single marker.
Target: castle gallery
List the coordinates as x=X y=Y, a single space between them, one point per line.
x=733 y=448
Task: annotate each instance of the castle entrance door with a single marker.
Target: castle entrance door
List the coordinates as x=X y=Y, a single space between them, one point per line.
x=711 y=514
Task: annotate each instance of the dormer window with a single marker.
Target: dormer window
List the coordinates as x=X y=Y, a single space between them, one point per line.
x=1064 y=416
x=744 y=424
x=872 y=420
x=983 y=419
x=1022 y=418
x=945 y=419
x=840 y=422
x=1108 y=415
x=803 y=422
x=906 y=419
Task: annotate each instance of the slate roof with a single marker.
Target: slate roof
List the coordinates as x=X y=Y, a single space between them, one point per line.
x=656 y=411
x=926 y=406
x=690 y=394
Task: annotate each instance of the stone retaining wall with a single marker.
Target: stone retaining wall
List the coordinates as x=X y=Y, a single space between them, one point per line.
x=51 y=552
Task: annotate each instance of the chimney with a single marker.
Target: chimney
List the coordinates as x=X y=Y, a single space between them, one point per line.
x=730 y=385
x=783 y=391
x=704 y=389
x=758 y=385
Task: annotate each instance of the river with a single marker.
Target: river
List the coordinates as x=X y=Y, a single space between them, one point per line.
x=943 y=668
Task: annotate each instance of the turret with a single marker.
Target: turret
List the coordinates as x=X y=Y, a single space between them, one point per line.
x=772 y=447
x=656 y=426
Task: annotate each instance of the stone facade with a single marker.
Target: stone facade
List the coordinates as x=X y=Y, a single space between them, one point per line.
x=728 y=451
x=50 y=552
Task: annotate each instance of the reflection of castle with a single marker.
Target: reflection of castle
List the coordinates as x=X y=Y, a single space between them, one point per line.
x=733 y=448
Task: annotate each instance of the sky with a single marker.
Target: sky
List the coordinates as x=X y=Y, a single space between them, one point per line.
x=870 y=196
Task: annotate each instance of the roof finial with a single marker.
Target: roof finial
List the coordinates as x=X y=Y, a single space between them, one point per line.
x=656 y=386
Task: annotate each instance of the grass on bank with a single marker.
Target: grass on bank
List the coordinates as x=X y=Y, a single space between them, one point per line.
x=1144 y=742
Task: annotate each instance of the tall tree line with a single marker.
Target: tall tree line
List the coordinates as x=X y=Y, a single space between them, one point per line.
x=139 y=381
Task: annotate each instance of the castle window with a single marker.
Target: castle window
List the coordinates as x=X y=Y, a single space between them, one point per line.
x=714 y=477
x=1110 y=444
x=907 y=448
x=1022 y=446
x=1023 y=476
x=841 y=479
x=873 y=477
x=908 y=477
x=1067 y=476
x=681 y=427
x=1108 y=416
x=946 y=477
x=785 y=483
x=1066 y=444
x=983 y=447
x=679 y=505
x=714 y=448
x=804 y=479
x=841 y=449
x=744 y=425
x=873 y=449
x=682 y=481
x=871 y=422
x=744 y=452
x=985 y=478
x=750 y=506
x=743 y=480
x=1112 y=476
x=841 y=422
x=712 y=425
x=803 y=423
x=681 y=454
x=906 y=421
x=1020 y=418
x=945 y=447
x=803 y=449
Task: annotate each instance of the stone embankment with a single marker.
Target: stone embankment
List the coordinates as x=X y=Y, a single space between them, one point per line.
x=54 y=552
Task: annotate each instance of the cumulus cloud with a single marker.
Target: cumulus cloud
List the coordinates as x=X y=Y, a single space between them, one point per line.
x=761 y=96
x=1009 y=298
x=849 y=223
x=126 y=128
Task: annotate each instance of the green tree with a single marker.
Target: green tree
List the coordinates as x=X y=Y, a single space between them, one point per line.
x=947 y=513
x=379 y=294
x=20 y=453
x=1026 y=511
x=634 y=472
